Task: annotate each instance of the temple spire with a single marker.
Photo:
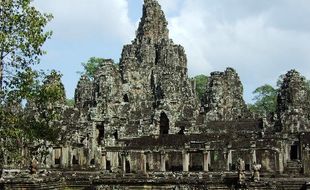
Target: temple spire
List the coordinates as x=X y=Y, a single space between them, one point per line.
x=153 y=24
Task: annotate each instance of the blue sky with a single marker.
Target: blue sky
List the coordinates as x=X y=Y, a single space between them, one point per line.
x=260 y=39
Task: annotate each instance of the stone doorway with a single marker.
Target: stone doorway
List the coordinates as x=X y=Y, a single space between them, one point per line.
x=294 y=152
x=164 y=124
x=127 y=166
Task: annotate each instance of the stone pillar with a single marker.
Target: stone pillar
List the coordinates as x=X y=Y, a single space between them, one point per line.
x=151 y=161
x=185 y=156
x=53 y=157
x=162 y=161
x=104 y=160
x=206 y=158
x=124 y=162
x=253 y=151
x=64 y=157
x=143 y=162
x=280 y=161
x=206 y=161
x=229 y=159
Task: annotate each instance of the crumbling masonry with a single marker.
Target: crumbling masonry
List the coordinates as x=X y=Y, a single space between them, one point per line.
x=142 y=116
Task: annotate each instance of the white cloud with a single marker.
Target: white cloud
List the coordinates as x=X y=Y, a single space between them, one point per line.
x=251 y=36
x=83 y=20
x=260 y=39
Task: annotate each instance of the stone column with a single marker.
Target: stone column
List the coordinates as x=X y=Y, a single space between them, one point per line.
x=162 y=161
x=280 y=161
x=253 y=151
x=206 y=161
x=185 y=156
x=206 y=158
x=104 y=160
x=53 y=157
x=229 y=159
x=151 y=161
x=143 y=162
x=64 y=157
x=124 y=162
x=286 y=154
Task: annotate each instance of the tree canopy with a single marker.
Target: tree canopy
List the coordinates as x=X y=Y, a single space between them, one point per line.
x=92 y=65
x=265 y=100
x=21 y=37
x=201 y=84
x=26 y=96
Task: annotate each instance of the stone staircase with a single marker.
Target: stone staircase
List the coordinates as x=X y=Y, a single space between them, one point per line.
x=293 y=167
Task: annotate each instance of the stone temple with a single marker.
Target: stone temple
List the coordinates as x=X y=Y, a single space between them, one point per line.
x=139 y=124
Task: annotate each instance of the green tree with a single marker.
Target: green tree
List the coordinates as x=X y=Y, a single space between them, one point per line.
x=92 y=65
x=201 y=84
x=21 y=37
x=265 y=100
x=70 y=102
x=45 y=108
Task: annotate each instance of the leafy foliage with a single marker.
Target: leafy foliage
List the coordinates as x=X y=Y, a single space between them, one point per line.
x=21 y=36
x=265 y=100
x=92 y=65
x=201 y=83
x=22 y=92
x=70 y=102
x=45 y=108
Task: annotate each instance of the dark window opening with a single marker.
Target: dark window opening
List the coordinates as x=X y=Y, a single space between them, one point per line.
x=115 y=134
x=159 y=93
x=100 y=137
x=108 y=165
x=294 y=152
x=92 y=162
x=153 y=82
x=127 y=166
x=164 y=124
x=147 y=166
x=247 y=167
x=182 y=129
x=125 y=98
x=57 y=161
x=233 y=167
x=156 y=56
x=82 y=139
x=75 y=161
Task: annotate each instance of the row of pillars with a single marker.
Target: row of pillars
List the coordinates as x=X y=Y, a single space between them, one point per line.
x=186 y=161
x=185 y=158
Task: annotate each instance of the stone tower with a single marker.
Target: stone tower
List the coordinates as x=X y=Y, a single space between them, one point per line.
x=293 y=108
x=148 y=92
x=154 y=75
x=224 y=97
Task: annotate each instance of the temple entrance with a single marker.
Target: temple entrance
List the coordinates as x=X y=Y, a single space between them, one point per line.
x=294 y=152
x=100 y=136
x=164 y=124
x=75 y=161
x=127 y=166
